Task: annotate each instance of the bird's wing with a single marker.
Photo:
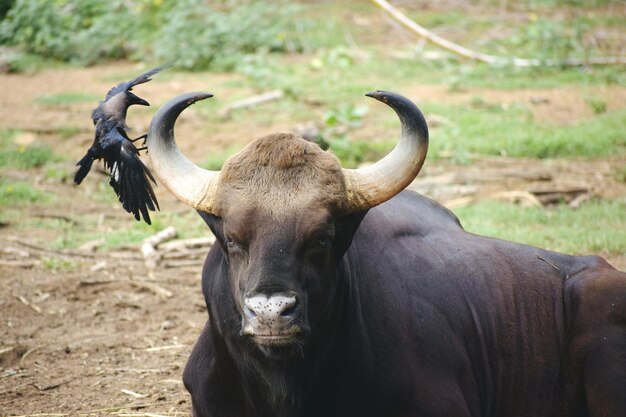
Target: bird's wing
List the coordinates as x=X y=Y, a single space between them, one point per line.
x=128 y=85
x=130 y=179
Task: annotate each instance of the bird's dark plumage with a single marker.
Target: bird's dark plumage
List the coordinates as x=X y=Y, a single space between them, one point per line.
x=129 y=177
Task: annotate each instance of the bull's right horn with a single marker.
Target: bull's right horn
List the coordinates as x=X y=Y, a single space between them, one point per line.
x=188 y=182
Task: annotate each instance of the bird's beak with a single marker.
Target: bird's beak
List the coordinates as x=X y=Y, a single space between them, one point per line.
x=133 y=99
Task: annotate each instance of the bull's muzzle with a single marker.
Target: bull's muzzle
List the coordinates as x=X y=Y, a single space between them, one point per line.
x=271 y=319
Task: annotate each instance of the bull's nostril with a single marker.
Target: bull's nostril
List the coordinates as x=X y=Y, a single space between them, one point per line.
x=289 y=311
x=249 y=312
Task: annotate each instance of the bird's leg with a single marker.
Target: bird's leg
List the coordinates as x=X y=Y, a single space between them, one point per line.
x=144 y=137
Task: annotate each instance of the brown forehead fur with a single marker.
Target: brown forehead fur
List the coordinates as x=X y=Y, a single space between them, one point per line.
x=280 y=173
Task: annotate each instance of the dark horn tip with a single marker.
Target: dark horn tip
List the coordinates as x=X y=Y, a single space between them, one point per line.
x=378 y=94
x=201 y=95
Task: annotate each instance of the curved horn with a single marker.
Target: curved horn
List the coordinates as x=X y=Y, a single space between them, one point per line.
x=372 y=185
x=191 y=184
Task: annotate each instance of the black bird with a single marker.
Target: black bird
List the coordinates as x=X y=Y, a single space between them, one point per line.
x=129 y=177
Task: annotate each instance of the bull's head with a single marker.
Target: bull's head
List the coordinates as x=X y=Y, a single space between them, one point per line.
x=284 y=213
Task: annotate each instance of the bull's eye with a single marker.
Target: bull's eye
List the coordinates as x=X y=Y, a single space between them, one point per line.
x=323 y=242
x=232 y=245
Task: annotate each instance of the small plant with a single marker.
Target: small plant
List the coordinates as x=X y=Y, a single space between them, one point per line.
x=339 y=57
x=58 y=173
x=13 y=193
x=334 y=136
x=345 y=117
x=23 y=156
x=598 y=105
x=57 y=264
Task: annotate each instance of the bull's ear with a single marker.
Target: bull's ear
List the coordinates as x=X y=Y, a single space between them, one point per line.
x=345 y=227
x=216 y=225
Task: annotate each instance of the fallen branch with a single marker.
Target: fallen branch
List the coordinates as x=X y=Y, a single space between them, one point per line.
x=196 y=253
x=133 y=393
x=185 y=244
x=66 y=253
x=558 y=195
x=16 y=263
x=148 y=246
x=11 y=372
x=168 y=347
x=251 y=101
x=157 y=289
x=183 y=263
x=486 y=58
x=515 y=196
x=48 y=387
x=27 y=303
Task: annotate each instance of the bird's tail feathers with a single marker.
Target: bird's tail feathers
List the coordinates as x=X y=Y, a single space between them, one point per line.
x=85 y=167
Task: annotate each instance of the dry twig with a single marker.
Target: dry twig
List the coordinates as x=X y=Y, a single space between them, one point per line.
x=133 y=393
x=27 y=303
x=157 y=289
x=168 y=347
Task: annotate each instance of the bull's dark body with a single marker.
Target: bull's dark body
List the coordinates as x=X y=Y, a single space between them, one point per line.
x=429 y=320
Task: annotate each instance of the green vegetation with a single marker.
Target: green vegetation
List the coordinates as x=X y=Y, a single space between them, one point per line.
x=214 y=162
x=338 y=123
x=513 y=132
x=22 y=156
x=598 y=105
x=620 y=175
x=58 y=264
x=18 y=193
x=597 y=226
x=66 y=98
x=188 y=225
x=199 y=35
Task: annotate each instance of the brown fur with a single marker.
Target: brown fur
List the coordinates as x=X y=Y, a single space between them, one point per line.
x=279 y=173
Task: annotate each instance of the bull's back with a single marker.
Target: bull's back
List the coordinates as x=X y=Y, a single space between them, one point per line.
x=482 y=321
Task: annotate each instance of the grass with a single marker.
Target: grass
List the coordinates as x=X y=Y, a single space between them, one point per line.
x=20 y=193
x=488 y=129
x=23 y=156
x=509 y=78
x=512 y=132
x=215 y=161
x=597 y=226
x=188 y=225
x=62 y=99
x=57 y=264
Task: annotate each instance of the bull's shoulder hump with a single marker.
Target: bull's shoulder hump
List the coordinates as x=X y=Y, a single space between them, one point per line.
x=411 y=212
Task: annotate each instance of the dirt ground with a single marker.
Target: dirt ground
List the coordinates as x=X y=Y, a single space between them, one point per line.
x=111 y=338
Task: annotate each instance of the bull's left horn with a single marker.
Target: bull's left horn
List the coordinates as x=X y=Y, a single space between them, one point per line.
x=372 y=185
x=191 y=184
